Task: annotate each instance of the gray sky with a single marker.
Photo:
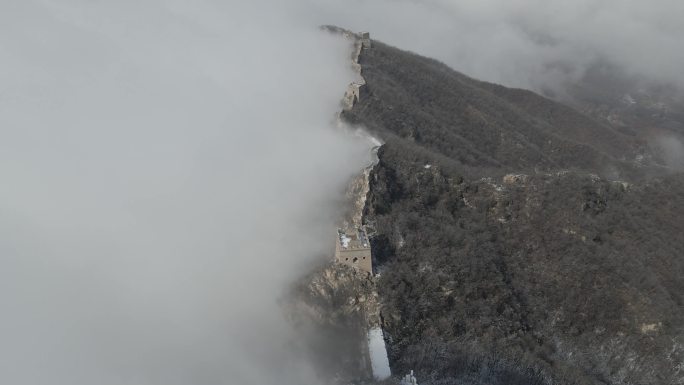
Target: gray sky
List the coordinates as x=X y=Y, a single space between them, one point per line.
x=528 y=43
x=168 y=166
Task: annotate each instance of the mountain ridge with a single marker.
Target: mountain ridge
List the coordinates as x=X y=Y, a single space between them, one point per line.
x=518 y=240
x=507 y=120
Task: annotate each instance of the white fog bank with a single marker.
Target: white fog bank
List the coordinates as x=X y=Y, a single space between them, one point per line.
x=167 y=168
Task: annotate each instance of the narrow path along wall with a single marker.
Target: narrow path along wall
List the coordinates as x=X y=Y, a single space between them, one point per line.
x=354 y=231
x=352 y=245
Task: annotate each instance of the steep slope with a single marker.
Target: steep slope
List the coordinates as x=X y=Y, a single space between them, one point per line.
x=552 y=274
x=483 y=125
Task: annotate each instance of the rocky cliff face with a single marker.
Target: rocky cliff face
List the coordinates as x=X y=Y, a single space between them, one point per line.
x=333 y=308
x=520 y=241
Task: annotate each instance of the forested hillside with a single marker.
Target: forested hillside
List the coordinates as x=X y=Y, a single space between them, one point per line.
x=518 y=241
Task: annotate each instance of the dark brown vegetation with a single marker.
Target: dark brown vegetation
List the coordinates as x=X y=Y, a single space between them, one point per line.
x=562 y=275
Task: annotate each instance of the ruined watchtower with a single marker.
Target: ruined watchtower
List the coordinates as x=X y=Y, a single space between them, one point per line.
x=352 y=248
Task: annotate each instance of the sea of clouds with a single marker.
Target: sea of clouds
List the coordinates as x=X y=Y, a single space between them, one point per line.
x=168 y=167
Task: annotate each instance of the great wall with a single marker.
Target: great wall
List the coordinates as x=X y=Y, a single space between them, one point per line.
x=352 y=246
x=352 y=243
x=339 y=300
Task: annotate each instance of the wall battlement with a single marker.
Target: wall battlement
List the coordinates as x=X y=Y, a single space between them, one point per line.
x=361 y=41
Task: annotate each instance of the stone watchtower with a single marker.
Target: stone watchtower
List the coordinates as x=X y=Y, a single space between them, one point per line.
x=365 y=40
x=352 y=248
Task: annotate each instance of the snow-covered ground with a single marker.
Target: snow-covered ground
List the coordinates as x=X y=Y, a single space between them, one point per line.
x=378 y=354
